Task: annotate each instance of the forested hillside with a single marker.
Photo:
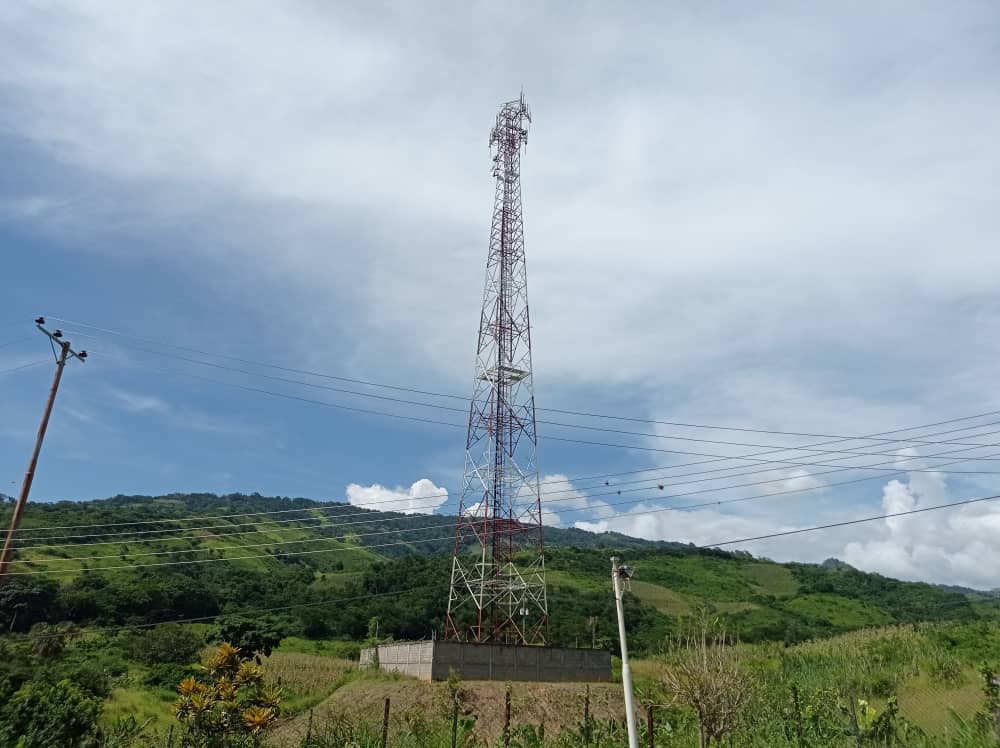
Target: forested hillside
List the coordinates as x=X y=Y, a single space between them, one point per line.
x=112 y=603
x=325 y=570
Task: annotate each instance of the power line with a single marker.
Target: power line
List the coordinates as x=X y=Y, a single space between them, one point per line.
x=858 y=521
x=17 y=340
x=606 y=505
x=262 y=364
x=215 y=560
x=407 y=530
x=875 y=466
x=772 y=449
x=341 y=525
x=704 y=454
x=366 y=511
x=545 y=422
x=369 y=383
x=25 y=366
x=398 y=543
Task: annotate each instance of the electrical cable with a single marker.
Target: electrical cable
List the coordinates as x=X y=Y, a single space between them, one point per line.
x=876 y=466
x=376 y=520
x=782 y=533
x=858 y=521
x=17 y=340
x=25 y=366
x=446 y=395
x=404 y=531
x=542 y=421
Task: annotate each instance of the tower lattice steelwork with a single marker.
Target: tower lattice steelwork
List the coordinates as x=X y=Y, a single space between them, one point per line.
x=498 y=572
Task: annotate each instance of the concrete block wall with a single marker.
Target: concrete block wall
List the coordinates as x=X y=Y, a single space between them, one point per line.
x=433 y=660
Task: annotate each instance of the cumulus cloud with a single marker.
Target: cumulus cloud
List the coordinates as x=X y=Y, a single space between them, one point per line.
x=560 y=498
x=957 y=546
x=423 y=497
x=701 y=527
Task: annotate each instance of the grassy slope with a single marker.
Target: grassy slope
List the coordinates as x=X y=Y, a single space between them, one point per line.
x=760 y=599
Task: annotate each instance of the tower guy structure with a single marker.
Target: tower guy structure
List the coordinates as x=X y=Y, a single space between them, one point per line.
x=498 y=590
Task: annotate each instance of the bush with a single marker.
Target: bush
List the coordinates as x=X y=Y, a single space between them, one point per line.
x=48 y=715
x=254 y=636
x=169 y=643
x=168 y=674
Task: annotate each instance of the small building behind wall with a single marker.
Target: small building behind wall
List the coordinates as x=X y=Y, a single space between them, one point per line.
x=433 y=660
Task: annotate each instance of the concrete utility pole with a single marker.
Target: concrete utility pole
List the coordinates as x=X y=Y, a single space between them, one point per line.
x=65 y=353
x=619 y=577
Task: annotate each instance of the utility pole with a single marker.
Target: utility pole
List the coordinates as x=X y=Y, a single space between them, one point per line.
x=64 y=353
x=620 y=575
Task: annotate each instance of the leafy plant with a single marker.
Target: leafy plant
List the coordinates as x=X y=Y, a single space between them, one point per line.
x=49 y=715
x=233 y=709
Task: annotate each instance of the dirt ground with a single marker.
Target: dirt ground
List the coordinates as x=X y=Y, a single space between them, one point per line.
x=555 y=705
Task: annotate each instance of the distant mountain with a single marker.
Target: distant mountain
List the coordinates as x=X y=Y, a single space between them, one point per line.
x=958 y=589
x=836 y=563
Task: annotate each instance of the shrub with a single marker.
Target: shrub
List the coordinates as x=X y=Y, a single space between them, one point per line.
x=168 y=674
x=48 y=715
x=169 y=643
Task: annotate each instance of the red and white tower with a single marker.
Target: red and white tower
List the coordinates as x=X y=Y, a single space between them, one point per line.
x=498 y=571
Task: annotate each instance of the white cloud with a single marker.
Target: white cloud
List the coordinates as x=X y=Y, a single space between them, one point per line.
x=178 y=416
x=837 y=191
x=953 y=546
x=135 y=402
x=729 y=217
x=423 y=497
x=701 y=526
x=561 y=498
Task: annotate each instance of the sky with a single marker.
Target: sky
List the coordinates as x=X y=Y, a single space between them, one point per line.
x=778 y=217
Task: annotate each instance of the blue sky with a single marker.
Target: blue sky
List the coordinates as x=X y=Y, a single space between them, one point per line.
x=779 y=218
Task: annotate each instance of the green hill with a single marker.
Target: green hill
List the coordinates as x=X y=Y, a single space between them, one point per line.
x=314 y=578
x=320 y=564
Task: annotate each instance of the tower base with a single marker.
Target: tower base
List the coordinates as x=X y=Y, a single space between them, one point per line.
x=434 y=660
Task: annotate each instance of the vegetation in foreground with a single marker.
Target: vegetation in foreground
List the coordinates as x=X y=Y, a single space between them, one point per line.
x=84 y=660
x=925 y=685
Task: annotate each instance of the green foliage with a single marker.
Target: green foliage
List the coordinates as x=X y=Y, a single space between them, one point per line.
x=329 y=600
x=27 y=601
x=167 y=675
x=50 y=641
x=168 y=643
x=234 y=708
x=49 y=715
x=257 y=636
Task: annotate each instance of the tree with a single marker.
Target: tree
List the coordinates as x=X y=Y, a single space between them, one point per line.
x=705 y=674
x=25 y=602
x=51 y=641
x=170 y=642
x=48 y=715
x=255 y=636
x=234 y=708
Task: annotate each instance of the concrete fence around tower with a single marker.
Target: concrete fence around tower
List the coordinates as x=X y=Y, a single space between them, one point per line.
x=433 y=660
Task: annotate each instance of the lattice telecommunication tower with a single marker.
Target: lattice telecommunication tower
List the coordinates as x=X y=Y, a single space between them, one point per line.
x=498 y=571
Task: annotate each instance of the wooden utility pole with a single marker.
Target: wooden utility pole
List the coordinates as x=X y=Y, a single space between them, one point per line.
x=385 y=724
x=65 y=353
